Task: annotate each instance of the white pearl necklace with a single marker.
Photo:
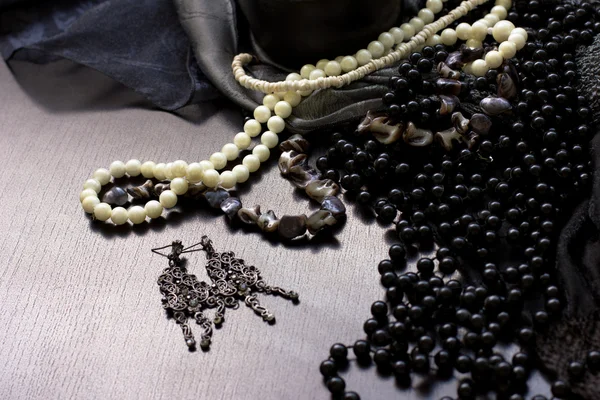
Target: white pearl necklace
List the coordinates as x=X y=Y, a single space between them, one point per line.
x=281 y=97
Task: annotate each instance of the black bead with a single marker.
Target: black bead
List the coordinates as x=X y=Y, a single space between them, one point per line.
x=397 y=253
x=560 y=389
x=370 y=326
x=361 y=349
x=336 y=385
x=338 y=352
x=328 y=368
x=351 y=396
x=425 y=266
x=382 y=358
x=576 y=369
x=593 y=360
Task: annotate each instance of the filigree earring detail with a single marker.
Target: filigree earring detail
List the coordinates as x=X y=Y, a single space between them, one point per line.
x=185 y=297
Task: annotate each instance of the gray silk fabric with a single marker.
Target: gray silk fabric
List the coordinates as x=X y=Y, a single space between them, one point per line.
x=214 y=28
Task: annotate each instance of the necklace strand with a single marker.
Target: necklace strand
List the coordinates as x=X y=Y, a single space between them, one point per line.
x=285 y=95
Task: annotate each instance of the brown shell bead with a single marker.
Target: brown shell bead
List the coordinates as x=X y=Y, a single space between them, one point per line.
x=321 y=188
x=448 y=86
x=506 y=86
x=448 y=104
x=447 y=138
x=416 y=137
x=142 y=192
x=495 y=105
x=295 y=143
x=446 y=72
x=292 y=226
x=249 y=215
x=480 y=123
x=290 y=159
x=460 y=122
x=268 y=222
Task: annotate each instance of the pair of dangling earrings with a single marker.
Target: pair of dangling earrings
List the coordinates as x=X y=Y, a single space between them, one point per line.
x=232 y=281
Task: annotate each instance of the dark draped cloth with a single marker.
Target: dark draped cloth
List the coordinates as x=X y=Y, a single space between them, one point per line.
x=179 y=52
x=173 y=52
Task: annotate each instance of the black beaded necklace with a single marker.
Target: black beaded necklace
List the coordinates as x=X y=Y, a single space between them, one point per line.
x=493 y=206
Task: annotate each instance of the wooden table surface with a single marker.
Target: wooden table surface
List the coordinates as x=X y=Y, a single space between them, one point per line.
x=80 y=314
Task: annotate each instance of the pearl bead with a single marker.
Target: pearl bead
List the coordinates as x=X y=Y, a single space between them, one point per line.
x=398 y=35
x=293 y=77
x=376 y=48
x=168 y=198
x=493 y=59
x=409 y=31
x=205 y=164
x=276 y=124
x=501 y=31
x=179 y=168
x=305 y=93
x=518 y=40
x=363 y=57
x=507 y=4
x=242 y=140
x=333 y=68
x=306 y=70
x=92 y=184
x=261 y=152
x=426 y=15
x=133 y=167
x=89 y=203
x=219 y=160
x=251 y=162
x=102 y=175
x=491 y=20
x=270 y=100
x=137 y=214
x=479 y=30
x=87 y=192
x=387 y=39
x=159 y=171
x=499 y=12
x=283 y=109
x=449 y=37
x=241 y=173
x=349 y=63
x=293 y=98
x=479 y=67
x=117 y=169
x=321 y=63
x=169 y=171
x=194 y=173
x=417 y=23
x=119 y=216
x=434 y=5
x=153 y=209
x=179 y=186
x=463 y=31
x=211 y=178
x=262 y=114
x=231 y=151
x=508 y=50
x=252 y=127
x=148 y=169
x=520 y=31
x=102 y=212
x=474 y=43
x=339 y=58
x=227 y=179
x=316 y=74
x=433 y=40
x=269 y=139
